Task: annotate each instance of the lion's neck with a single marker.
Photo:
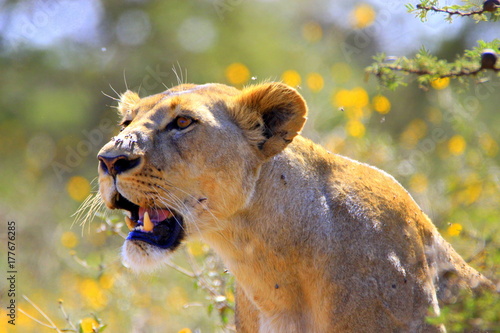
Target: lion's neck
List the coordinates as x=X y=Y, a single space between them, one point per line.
x=262 y=241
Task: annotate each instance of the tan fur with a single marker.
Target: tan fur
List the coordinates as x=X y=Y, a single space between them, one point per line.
x=317 y=242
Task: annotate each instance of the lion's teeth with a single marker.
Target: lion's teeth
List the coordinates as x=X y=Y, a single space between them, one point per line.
x=148 y=225
x=130 y=224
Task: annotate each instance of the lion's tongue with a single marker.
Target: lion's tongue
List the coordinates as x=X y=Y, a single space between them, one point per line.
x=156 y=215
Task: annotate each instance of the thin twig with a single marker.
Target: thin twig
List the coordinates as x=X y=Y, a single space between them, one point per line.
x=66 y=316
x=199 y=277
x=114 y=228
x=463 y=72
x=181 y=270
x=36 y=320
x=451 y=12
x=54 y=326
x=81 y=262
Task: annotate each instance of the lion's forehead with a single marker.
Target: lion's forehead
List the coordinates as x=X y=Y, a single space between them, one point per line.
x=199 y=103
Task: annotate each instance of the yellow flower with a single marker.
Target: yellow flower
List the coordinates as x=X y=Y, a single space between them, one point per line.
x=292 y=78
x=89 y=325
x=312 y=31
x=355 y=128
x=237 y=73
x=69 y=239
x=440 y=83
x=78 y=188
x=454 y=229
x=315 y=82
x=363 y=16
x=185 y=330
x=381 y=104
x=457 y=145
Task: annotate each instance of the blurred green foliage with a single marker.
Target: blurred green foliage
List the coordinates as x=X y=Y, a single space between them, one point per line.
x=61 y=60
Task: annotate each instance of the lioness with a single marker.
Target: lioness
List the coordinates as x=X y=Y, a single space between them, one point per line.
x=317 y=242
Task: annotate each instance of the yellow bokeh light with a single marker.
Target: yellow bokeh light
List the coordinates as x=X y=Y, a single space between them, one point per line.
x=457 y=145
x=237 y=73
x=291 y=77
x=26 y=323
x=415 y=131
x=440 y=83
x=69 y=239
x=230 y=296
x=92 y=294
x=472 y=193
x=197 y=248
x=312 y=31
x=185 y=330
x=106 y=281
x=360 y=97
x=454 y=229
x=355 y=128
x=381 y=104
x=363 y=16
x=434 y=115
x=354 y=113
x=341 y=72
x=315 y=82
x=342 y=98
x=489 y=145
x=419 y=182
x=335 y=143
x=89 y=325
x=78 y=188
x=357 y=97
x=177 y=297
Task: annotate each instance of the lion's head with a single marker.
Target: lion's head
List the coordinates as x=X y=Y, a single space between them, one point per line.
x=189 y=158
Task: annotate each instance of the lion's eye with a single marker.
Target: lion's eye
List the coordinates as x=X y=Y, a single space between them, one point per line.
x=183 y=122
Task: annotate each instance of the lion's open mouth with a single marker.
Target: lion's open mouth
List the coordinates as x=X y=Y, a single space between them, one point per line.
x=161 y=227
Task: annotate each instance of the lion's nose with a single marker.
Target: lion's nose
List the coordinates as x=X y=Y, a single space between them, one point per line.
x=115 y=165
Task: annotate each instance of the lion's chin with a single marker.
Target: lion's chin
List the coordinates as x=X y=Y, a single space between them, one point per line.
x=142 y=257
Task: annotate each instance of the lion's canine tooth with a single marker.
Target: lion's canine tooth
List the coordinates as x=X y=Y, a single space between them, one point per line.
x=148 y=225
x=130 y=224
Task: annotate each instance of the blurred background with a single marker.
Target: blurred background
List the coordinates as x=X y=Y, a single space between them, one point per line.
x=63 y=62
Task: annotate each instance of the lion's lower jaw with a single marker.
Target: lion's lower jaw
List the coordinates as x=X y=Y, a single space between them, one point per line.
x=143 y=258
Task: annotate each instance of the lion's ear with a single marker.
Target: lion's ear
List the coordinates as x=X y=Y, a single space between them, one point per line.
x=272 y=114
x=127 y=101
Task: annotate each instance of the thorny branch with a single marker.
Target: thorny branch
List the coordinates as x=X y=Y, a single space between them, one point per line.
x=488 y=6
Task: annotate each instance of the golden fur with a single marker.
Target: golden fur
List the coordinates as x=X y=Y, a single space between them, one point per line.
x=317 y=242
